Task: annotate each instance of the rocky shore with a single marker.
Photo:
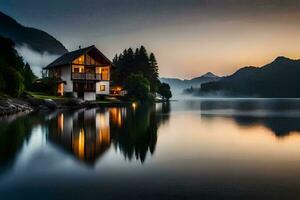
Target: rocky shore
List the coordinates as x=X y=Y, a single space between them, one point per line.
x=14 y=106
x=26 y=104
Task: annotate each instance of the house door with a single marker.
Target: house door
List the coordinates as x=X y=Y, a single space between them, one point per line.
x=60 y=89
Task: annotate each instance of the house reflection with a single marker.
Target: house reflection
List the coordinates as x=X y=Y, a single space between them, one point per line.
x=88 y=133
x=117 y=115
x=85 y=133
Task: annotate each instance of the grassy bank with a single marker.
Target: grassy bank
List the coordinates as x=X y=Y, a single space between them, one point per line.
x=43 y=96
x=63 y=101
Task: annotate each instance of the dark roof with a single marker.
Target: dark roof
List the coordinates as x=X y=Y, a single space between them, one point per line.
x=68 y=58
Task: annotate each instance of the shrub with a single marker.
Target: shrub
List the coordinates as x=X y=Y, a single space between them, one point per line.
x=45 y=85
x=16 y=86
x=165 y=91
x=138 y=87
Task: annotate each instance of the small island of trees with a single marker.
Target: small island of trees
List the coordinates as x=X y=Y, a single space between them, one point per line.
x=138 y=73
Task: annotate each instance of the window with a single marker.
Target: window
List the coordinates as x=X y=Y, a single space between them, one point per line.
x=102 y=88
x=78 y=69
x=105 y=73
x=90 y=60
x=89 y=70
x=98 y=70
x=79 y=60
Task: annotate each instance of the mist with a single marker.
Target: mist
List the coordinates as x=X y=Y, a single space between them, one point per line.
x=35 y=59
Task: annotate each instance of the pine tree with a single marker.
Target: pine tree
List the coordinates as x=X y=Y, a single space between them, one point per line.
x=115 y=59
x=28 y=76
x=138 y=62
x=143 y=62
x=153 y=68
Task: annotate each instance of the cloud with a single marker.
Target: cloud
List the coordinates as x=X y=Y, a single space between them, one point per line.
x=35 y=59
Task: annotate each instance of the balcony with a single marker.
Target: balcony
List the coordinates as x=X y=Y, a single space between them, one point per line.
x=87 y=76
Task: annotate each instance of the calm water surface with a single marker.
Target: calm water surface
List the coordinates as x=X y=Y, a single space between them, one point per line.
x=190 y=149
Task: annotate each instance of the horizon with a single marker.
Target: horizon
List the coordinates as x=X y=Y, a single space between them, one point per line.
x=149 y=99
x=217 y=37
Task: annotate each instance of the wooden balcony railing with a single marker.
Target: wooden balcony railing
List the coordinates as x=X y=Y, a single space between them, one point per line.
x=87 y=76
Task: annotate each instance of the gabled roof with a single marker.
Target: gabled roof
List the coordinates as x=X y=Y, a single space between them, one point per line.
x=69 y=57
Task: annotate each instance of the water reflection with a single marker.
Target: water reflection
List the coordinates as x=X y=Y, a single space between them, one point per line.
x=214 y=149
x=282 y=117
x=14 y=132
x=84 y=133
x=88 y=134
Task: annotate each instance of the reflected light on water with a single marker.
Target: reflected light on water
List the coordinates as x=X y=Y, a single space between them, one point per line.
x=193 y=149
x=134 y=105
x=103 y=127
x=60 y=122
x=116 y=116
x=79 y=143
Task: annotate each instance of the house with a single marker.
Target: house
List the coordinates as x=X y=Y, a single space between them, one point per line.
x=83 y=73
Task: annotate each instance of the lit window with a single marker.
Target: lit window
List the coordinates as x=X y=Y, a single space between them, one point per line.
x=79 y=60
x=102 y=87
x=105 y=73
x=78 y=69
x=98 y=70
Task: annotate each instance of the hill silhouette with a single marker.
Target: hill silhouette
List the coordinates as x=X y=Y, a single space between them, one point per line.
x=280 y=78
x=38 y=40
x=180 y=85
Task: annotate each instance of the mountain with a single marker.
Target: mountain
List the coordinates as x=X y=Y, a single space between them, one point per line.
x=38 y=40
x=280 y=78
x=180 y=85
x=208 y=77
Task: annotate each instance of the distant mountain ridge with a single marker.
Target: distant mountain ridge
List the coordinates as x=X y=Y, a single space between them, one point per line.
x=280 y=78
x=179 y=84
x=38 y=40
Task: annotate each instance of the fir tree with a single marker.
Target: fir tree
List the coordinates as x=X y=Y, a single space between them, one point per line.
x=136 y=62
x=28 y=76
x=153 y=68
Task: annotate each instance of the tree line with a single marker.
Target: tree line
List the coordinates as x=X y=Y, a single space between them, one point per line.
x=15 y=75
x=138 y=72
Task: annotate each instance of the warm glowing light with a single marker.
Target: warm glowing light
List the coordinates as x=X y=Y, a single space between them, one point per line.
x=105 y=73
x=60 y=89
x=60 y=121
x=103 y=129
x=104 y=135
x=118 y=88
x=134 y=105
x=81 y=143
x=116 y=116
x=102 y=87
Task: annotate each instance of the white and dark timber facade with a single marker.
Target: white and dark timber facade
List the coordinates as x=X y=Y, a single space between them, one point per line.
x=84 y=73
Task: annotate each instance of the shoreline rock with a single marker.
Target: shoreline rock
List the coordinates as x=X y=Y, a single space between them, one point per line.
x=27 y=104
x=13 y=106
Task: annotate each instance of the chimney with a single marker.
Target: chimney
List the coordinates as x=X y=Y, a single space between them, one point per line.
x=79 y=46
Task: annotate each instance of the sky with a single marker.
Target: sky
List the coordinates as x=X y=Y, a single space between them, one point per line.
x=188 y=37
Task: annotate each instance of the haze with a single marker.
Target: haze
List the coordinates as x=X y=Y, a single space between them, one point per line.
x=189 y=37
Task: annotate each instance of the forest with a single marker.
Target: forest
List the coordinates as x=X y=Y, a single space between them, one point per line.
x=16 y=76
x=138 y=72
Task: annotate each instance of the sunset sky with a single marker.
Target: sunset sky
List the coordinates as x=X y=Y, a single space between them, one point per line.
x=189 y=37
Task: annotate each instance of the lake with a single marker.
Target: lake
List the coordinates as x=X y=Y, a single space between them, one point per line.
x=187 y=149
